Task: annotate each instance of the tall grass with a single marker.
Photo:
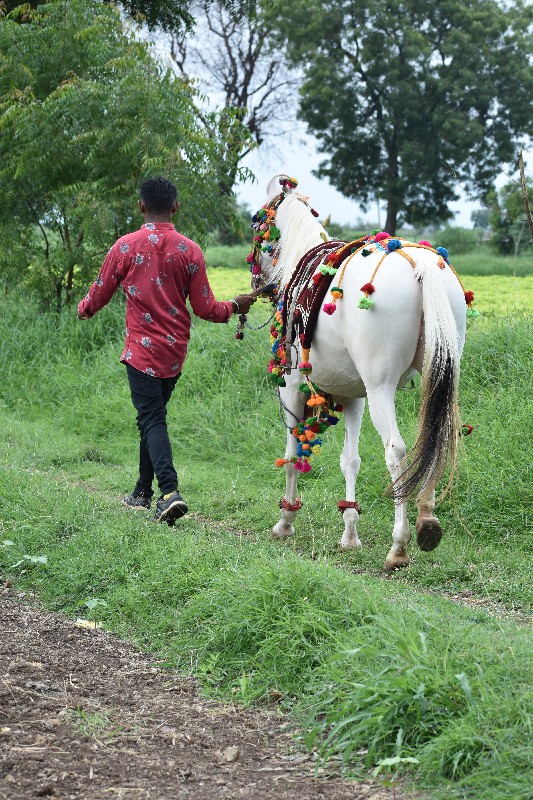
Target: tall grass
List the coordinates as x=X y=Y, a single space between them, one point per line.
x=377 y=672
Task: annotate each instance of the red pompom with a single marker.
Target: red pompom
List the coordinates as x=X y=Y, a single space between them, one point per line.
x=469 y=297
x=367 y=288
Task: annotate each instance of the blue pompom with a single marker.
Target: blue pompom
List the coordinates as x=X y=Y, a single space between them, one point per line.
x=394 y=244
x=443 y=252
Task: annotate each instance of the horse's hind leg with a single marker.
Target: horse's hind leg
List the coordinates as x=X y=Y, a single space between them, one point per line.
x=428 y=529
x=383 y=414
x=350 y=463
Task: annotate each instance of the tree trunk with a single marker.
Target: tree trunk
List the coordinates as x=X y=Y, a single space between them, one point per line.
x=392 y=217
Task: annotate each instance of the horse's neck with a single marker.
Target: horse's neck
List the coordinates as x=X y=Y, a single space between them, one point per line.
x=300 y=231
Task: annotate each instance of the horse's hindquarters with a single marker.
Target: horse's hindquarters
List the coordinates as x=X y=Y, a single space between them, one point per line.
x=355 y=348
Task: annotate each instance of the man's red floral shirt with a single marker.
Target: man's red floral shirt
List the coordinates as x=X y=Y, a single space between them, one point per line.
x=158 y=269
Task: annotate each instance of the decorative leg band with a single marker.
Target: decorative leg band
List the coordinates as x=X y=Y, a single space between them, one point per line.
x=342 y=505
x=286 y=506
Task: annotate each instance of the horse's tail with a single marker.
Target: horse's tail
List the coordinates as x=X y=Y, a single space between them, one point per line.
x=438 y=421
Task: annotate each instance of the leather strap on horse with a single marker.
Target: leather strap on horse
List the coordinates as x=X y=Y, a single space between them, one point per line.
x=296 y=293
x=342 y=505
x=303 y=272
x=286 y=506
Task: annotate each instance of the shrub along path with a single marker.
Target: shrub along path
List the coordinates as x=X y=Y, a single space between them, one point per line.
x=86 y=715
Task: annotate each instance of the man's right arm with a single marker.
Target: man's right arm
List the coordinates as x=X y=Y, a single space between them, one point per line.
x=104 y=286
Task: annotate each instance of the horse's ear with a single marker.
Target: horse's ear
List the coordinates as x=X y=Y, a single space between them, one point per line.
x=273 y=187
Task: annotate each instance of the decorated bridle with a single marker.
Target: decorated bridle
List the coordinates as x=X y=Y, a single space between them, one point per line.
x=267 y=240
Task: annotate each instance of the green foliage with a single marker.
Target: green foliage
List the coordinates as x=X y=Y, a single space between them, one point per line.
x=92 y=113
x=168 y=15
x=397 y=91
x=508 y=219
x=458 y=240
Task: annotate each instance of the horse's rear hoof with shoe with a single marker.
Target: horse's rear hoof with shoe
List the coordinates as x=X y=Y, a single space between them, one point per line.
x=428 y=533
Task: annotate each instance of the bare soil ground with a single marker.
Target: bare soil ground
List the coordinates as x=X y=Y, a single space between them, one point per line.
x=86 y=716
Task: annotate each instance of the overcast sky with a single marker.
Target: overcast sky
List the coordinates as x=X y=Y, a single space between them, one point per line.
x=300 y=158
x=297 y=157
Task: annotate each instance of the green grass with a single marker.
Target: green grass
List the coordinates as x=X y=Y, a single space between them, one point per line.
x=373 y=669
x=483 y=261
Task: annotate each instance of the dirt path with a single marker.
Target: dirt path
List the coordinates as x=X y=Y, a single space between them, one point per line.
x=85 y=715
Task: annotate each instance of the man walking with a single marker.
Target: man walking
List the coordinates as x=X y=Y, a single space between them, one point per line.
x=158 y=269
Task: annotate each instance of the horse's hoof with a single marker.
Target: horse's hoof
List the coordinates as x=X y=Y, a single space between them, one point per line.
x=282 y=531
x=396 y=562
x=428 y=533
x=351 y=544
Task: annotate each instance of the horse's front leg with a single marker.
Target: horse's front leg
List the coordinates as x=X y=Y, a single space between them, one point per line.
x=350 y=464
x=293 y=404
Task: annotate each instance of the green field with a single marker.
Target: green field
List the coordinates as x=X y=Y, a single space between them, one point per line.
x=427 y=671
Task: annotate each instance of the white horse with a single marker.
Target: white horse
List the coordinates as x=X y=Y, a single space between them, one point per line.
x=412 y=319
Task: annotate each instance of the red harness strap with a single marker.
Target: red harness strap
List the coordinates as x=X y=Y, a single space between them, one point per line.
x=286 y=506
x=344 y=504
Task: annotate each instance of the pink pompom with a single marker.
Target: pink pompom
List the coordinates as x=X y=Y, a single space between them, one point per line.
x=256 y=269
x=381 y=235
x=306 y=466
x=424 y=243
x=329 y=308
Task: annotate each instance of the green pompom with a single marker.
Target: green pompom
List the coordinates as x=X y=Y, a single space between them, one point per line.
x=365 y=302
x=304 y=388
x=472 y=312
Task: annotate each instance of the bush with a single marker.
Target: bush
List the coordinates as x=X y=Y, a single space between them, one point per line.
x=456 y=240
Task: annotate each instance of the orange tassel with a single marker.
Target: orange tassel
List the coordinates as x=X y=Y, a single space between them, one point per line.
x=316 y=400
x=280 y=462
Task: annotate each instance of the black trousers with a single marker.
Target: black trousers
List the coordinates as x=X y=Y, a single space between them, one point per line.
x=150 y=397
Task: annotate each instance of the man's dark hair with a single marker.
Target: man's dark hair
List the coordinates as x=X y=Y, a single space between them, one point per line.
x=158 y=195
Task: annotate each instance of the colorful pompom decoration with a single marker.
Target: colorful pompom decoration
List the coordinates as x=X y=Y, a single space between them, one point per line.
x=469 y=300
x=336 y=294
x=276 y=365
x=443 y=252
x=365 y=302
x=288 y=183
x=425 y=243
x=394 y=244
x=308 y=431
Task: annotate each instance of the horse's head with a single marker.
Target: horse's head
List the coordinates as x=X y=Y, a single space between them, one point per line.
x=266 y=265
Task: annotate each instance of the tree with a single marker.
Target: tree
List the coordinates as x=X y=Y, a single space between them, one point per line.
x=86 y=113
x=237 y=67
x=508 y=218
x=166 y=15
x=408 y=97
